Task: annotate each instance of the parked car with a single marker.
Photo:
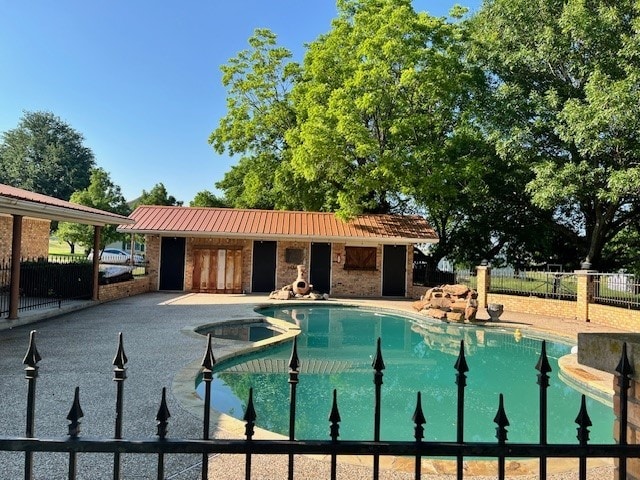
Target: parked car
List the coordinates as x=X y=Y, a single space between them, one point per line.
x=115 y=255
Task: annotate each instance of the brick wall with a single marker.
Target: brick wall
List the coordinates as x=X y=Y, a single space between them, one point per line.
x=114 y=291
x=622 y=318
x=287 y=272
x=35 y=237
x=356 y=283
x=535 y=305
x=152 y=248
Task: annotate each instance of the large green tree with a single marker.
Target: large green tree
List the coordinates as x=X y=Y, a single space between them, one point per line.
x=102 y=194
x=45 y=155
x=158 y=195
x=565 y=76
x=206 y=198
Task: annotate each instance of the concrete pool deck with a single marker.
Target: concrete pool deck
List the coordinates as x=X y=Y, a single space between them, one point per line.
x=78 y=348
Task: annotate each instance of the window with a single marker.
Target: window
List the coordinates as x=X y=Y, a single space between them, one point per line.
x=360 y=258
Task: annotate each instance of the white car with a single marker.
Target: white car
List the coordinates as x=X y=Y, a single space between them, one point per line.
x=117 y=256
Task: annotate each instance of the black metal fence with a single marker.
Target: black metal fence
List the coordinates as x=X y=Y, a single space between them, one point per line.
x=44 y=283
x=74 y=444
x=617 y=290
x=554 y=285
x=423 y=275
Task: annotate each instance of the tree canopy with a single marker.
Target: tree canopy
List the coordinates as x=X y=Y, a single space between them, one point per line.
x=43 y=154
x=205 y=198
x=565 y=79
x=158 y=195
x=102 y=194
x=513 y=130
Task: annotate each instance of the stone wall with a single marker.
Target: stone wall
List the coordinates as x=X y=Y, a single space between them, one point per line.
x=534 y=305
x=622 y=318
x=114 y=291
x=35 y=237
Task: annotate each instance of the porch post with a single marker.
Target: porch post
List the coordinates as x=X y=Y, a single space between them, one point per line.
x=16 y=253
x=97 y=231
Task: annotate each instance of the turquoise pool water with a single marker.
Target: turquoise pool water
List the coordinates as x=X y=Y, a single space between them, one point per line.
x=336 y=347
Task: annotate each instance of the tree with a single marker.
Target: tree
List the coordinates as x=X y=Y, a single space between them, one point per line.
x=205 y=198
x=45 y=155
x=158 y=195
x=103 y=195
x=565 y=78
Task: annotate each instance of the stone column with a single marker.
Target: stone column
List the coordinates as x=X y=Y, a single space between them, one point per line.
x=585 y=291
x=483 y=283
x=603 y=352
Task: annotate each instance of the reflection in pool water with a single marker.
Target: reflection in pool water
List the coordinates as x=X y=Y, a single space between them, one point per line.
x=336 y=348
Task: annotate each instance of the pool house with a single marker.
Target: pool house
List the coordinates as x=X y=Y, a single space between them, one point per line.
x=225 y=250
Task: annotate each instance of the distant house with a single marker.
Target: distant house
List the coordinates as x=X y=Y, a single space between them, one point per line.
x=223 y=250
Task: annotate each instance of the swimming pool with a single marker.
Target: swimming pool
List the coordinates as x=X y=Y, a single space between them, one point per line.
x=336 y=348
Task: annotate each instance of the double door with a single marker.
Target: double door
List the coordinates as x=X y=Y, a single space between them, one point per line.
x=217 y=270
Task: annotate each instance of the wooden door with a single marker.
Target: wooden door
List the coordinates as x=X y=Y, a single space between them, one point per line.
x=217 y=270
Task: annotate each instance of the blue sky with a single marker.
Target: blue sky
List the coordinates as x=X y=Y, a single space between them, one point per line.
x=141 y=80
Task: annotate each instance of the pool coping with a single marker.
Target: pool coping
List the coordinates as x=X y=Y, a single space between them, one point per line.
x=577 y=376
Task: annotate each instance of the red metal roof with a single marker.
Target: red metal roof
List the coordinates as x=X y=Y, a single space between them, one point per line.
x=265 y=224
x=17 y=201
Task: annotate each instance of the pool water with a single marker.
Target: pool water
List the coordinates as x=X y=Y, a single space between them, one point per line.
x=336 y=347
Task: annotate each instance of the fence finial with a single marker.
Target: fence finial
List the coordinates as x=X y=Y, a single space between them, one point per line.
x=208 y=361
x=502 y=421
x=120 y=360
x=418 y=419
x=624 y=367
x=378 y=363
x=294 y=361
x=75 y=414
x=250 y=416
x=163 y=415
x=32 y=356
x=334 y=418
x=584 y=422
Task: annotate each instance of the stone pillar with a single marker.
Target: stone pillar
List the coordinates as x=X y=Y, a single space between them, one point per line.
x=585 y=291
x=603 y=352
x=483 y=283
x=16 y=245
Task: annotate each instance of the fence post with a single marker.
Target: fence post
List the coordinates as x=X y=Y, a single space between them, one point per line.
x=584 y=293
x=483 y=283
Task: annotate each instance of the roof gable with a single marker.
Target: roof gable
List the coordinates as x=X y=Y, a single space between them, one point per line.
x=278 y=224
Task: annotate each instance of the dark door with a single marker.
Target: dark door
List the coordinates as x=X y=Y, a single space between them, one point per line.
x=264 y=267
x=172 y=263
x=320 y=271
x=394 y=269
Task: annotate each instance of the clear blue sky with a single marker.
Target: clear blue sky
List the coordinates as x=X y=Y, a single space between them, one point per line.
x=141 y=80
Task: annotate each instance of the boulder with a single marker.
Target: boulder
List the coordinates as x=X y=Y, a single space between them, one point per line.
x=457 y=290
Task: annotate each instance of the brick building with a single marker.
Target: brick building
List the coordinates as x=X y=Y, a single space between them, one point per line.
x=223 y=250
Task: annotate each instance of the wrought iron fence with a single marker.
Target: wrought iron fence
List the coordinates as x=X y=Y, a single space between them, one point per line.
x=74 y=444
x=423 y=275
x=44 y=283
x=617 y=290
x=554 y=285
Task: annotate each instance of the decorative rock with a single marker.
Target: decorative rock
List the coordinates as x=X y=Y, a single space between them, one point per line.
x=455 y=317
x=457 y=290
x=437 y=313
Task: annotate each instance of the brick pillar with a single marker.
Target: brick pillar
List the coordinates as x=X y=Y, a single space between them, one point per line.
x=585 y=291
x=483 y=284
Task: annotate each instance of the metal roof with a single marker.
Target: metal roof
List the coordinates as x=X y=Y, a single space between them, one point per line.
x=278 y=224
x=16 y=201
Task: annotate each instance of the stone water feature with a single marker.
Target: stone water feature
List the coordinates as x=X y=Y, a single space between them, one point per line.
x=453 y=303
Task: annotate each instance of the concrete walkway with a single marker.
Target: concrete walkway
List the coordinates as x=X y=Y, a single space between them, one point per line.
x=78 y=348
